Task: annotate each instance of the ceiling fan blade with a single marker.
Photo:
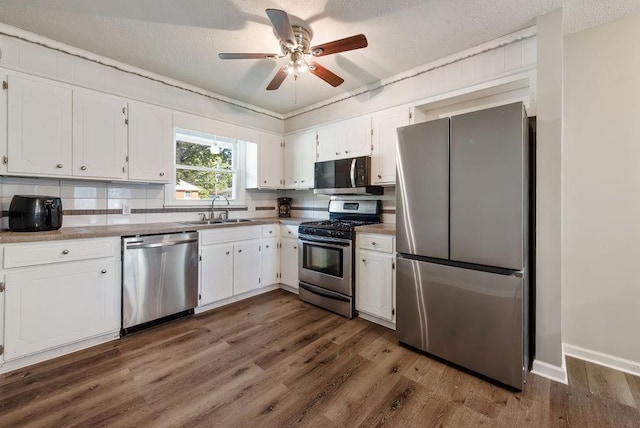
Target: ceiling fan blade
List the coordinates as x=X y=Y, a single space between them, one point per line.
x=248 y=56
x=326 y=75
x=278 y=79
x=282 y=26
x=347 y=44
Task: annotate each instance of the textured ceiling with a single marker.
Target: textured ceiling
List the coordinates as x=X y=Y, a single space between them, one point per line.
x=181 y=38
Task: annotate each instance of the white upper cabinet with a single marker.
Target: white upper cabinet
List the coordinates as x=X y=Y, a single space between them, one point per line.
x=383 y=159
x=299 y=159
x=347 y=139
x=264 y=169
x=39 y=127
x=99 y=135
x=150 y=143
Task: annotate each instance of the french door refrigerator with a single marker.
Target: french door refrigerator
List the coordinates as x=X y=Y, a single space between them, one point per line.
x=462 y=244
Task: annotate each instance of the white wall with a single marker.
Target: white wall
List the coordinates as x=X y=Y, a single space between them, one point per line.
x=548 y=322
x=601 y=190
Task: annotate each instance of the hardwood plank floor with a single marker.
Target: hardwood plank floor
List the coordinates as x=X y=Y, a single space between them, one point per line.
x=275 y=361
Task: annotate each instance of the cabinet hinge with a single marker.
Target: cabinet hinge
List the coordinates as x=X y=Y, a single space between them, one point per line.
x=5 y=85
x=1 y=350
x=393 y=311
x=5 y=160
x=371 y=131
x=259 y=247
x=124 y=110
x=372 y=147
x=199 y=296
x=200 y=258
x=393 y=265
x=259 y=280
x=126 y=121
x=127 y=158
x=1 y=287
x=410 y=115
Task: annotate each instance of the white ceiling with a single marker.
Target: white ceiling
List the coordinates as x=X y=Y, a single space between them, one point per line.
x=181 y=39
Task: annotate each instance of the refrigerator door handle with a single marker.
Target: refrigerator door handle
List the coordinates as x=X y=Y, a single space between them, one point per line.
x=353 y=172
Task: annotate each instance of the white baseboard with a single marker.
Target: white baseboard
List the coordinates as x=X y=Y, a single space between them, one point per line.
x=377 y=320
x=555 y=373
x=616 y=363
x=289 y=288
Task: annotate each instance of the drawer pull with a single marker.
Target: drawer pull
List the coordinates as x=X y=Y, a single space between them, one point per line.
x=271 y=231
x=239 y=251
x=289 y=232
x=227 y=253
x=65 y=251
x=379 y=176
x=162 y=174
x=295 y=248
x=103 y=271
x=267 y=246
x=83 y=167
x=364 y=260
x=373 y=243
x=59 y=166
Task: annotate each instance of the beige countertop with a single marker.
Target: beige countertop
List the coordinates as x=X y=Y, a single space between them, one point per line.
x=383 y=228
x=130 y=230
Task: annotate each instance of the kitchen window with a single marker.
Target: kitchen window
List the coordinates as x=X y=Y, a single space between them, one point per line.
x=205 y=166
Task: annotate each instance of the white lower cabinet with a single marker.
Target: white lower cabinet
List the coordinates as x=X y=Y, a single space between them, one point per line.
x=217 y=273
x=375 y=277
x=232 y=259
x=246 y=266
x=51 y=305
x=289 y=262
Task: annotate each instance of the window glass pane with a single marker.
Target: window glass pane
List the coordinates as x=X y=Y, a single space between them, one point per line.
x=204 y=184
x=216 y=155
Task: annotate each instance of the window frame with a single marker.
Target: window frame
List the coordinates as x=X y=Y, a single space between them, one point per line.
x=238 y=161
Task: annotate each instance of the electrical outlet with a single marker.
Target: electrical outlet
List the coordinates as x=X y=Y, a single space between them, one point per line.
x=126 y=209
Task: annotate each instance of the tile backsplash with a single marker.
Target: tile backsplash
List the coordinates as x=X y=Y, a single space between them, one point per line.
x=89 y=203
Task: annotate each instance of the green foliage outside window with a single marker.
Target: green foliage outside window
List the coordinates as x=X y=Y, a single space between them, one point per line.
x=212 y=167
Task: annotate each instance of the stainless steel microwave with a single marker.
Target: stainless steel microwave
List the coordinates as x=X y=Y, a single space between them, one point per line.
x=350 y=176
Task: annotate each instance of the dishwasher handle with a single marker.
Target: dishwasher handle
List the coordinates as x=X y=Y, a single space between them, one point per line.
x=141 y=244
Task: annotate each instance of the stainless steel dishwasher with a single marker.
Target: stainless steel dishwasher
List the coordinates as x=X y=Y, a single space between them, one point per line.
x=159 y=277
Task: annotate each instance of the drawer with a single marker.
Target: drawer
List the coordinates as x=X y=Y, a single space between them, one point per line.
x=382 y=243
x=229 y=234
x=270 y=230
x=288 y=231
x=32 y=254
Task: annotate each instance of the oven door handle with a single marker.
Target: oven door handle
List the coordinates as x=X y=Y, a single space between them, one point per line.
x=324 y=293
x=326 y=242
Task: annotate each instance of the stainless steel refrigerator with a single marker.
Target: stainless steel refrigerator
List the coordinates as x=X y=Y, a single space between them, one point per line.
x=462 y=240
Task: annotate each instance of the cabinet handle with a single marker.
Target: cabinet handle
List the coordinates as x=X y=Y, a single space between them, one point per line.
x=271 y=231
x=65 y=251
x=302 y=181
x=373 y=243
x=337 y=153
x=162 y=174
x=103 y=271
x=295 y=248
x=227 y=253
x=295 y=181
x=364 y=260
x=239 y=251
x=267 y=246
x=379 y=176
x=83 y=167
x=59 y=166
x=264 y=181
x=289 y=232
x=347 y=151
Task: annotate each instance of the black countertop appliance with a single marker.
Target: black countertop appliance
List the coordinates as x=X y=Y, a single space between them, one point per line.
x=32 y=213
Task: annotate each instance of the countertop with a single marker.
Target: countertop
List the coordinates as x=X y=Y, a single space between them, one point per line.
x=130 y=230
x=383 y=228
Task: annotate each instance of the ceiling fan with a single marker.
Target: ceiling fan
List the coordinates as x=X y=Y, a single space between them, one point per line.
x=295 y=42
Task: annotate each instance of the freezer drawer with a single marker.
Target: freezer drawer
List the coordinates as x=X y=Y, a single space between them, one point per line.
x=471 y=318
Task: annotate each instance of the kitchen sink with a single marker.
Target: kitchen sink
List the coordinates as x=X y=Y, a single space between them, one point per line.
x=207 y=222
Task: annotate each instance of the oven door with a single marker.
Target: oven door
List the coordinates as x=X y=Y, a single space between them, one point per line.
x=326 y=263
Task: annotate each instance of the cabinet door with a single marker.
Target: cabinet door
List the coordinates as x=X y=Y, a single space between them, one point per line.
x=150 y=143
x=289 y=262
x=383 y=160
x=299 y=159
x=271 y=158
x=270 y=258
x=330 y=142
x=374 y=288
x=39 y=128
x=357 y=137
x=99 y=135
x=60 y=304
x=216 y=281
x=246 y=266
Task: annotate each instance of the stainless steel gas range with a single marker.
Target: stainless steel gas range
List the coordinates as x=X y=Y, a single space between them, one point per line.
x=326 y=252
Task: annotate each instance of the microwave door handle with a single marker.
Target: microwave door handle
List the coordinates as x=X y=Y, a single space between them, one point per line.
x=353 y=172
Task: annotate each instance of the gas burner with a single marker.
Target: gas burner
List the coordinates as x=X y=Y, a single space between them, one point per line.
x=337 y=224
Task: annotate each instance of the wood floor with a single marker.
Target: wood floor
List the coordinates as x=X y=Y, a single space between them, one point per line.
x=275 y=361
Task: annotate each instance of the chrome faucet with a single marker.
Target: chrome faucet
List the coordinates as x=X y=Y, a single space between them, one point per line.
x=213 y=200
